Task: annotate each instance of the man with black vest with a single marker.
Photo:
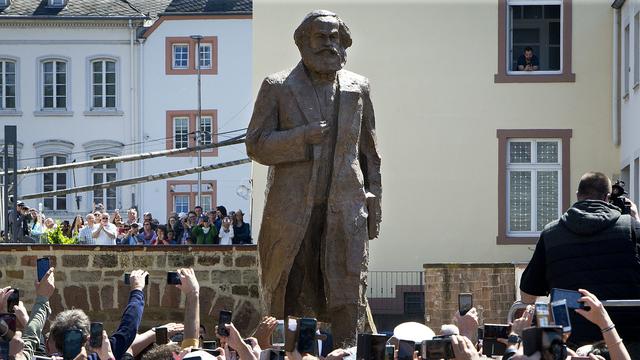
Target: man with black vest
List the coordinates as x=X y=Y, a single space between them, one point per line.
x=593 y=247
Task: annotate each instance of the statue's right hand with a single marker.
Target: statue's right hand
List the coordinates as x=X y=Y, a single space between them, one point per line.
x=315 y=133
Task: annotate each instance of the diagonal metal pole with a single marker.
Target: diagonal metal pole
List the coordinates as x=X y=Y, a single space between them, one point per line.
x=133 y=157
x=137 y=180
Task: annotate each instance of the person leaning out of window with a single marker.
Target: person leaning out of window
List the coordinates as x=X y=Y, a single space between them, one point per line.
x=528 y=61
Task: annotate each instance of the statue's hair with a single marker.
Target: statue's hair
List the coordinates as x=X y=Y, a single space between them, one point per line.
x=303 y=29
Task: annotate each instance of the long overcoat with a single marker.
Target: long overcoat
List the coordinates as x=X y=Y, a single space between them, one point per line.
x=286 y=103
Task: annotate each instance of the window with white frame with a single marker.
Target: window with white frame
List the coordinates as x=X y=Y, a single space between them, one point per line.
x=636 y=49
x=534 y=170
x=180 y=132
x=181 y=203
x=103 y=84
x=627 y=57
x=206 y=203
x=54 y=84
x=205 y=56
x=10 y=164
x=101 y=174
x=206 y=129
x=7 y=84
x=534 y=36
x=180 y=56
x=56 y=180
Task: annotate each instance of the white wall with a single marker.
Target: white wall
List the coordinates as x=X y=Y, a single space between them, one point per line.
x=229 y=92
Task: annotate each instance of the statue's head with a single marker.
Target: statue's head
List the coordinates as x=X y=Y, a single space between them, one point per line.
x=323 y=39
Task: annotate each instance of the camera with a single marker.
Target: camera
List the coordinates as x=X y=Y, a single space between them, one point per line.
x=618 y=199
x=547 y=340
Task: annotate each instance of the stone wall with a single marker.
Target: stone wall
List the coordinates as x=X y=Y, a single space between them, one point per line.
x=492 y=285
x=91 y=278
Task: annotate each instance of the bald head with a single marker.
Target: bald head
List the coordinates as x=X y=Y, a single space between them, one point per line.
x=594 y=186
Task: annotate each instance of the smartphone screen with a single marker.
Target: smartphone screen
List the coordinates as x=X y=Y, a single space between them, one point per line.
x=465 y=302
x=496 y=331
x=173 y=278
x=543 y=317
x=127 y=279
x=43 y=267
x=437 y=349
x=72 y=343
x=209 y=344
x=406 y=349
x=307 y=336
x=277 y=337
x=561 y=315
x=162 y=336
x=378 y=346
x=13 y=300
x=225 y=318
x=95 y=339
x=389 y=352
x=570 y=296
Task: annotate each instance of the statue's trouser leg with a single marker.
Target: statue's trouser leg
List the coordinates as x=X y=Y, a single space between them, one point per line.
x=305 y=288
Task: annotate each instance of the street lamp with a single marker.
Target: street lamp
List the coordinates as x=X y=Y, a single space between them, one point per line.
x=198 y=38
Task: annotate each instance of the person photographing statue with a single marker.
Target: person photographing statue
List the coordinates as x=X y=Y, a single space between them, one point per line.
x=314 y=127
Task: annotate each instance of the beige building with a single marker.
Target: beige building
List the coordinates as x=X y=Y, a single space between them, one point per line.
x=477 y=156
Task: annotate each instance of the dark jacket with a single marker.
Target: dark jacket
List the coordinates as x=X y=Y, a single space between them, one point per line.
x=595 y=248
x=122 y=339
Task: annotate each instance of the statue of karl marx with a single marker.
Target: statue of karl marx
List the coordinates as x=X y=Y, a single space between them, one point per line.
x=314 y=127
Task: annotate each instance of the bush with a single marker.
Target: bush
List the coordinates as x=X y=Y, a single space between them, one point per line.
x=56 y=236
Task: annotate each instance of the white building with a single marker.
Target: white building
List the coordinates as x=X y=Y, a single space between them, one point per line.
x=68 y=74
x=170 y=101
x=87 y=79
x=626 y=92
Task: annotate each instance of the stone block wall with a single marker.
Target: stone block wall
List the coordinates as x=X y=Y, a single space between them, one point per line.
x=91 y=278
x=492 y=285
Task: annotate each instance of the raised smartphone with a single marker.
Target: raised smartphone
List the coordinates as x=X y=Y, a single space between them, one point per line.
x=43 y=266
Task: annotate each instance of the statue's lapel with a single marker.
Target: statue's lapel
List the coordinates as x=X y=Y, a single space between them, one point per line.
x=349 y=95
x=302 y=89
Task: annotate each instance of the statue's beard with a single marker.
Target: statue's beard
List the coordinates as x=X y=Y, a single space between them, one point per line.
x=324 y=61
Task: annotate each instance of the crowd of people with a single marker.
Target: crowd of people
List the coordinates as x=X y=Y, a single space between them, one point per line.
x=24 y=338
x=215 y=227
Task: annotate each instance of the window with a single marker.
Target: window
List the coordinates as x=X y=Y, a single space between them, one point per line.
x=413 y=303
x=54 y=85
x=180 y=132
x=205 y=56
x=10 y=163
x=181 y=128
x=4 y=3
x=636 y=49
x=56 y=2
x=180 y=56
x=182 y=195
x=181 y=204
x=7 y=84
x=103 y=84
x=534 y=41
x=56 y=180
x=533 y=182
x=206 y=203
x=101 y=174
x=206 y=130
x=536 y=27
x=627 y=55
x=533 y=177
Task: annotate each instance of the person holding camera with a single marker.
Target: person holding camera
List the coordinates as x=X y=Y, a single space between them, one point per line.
x=592 y=246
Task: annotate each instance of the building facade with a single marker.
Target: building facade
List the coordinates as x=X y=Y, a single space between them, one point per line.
x=89 y=79
x=625 y=93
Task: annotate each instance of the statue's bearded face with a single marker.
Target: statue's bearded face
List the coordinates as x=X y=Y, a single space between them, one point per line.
x=322 y=51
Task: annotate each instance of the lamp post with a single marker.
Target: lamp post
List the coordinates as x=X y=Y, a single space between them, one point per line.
x=198 y=38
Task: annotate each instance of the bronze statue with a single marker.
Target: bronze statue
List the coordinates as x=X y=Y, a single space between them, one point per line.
x=314 y=126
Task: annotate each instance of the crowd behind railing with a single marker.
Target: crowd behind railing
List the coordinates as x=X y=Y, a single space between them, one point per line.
x=215 y=227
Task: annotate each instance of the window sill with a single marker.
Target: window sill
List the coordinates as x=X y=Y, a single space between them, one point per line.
x=53 y=113
x=104 y=113
x=10 y=113
x=534 y=78
x=515 y=240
